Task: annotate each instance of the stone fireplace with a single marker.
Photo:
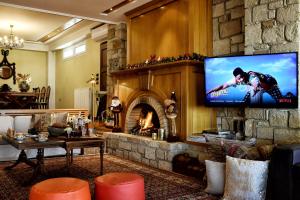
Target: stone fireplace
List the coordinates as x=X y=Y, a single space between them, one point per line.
x=145 y=105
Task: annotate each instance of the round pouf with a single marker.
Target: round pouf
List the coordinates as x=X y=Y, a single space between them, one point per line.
x=119 y=186
x=61 y=189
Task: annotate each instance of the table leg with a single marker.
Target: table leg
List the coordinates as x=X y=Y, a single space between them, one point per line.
x=68 y=159
x=38 y=168
x=101 y=157
x=22 y=158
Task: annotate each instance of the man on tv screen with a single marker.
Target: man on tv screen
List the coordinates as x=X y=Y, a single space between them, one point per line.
x=258 y=84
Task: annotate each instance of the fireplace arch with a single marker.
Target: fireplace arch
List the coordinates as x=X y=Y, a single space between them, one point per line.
x=151 y=101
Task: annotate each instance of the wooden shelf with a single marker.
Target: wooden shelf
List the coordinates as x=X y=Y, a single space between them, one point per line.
x=157 y=66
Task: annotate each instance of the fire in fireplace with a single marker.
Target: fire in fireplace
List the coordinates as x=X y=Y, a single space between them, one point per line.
x=147 y=120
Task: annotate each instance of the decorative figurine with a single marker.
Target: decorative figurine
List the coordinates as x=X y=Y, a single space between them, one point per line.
x=171 y=113
x=116 y=108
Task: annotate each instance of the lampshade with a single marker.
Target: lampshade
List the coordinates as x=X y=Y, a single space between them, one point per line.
x=11 y=41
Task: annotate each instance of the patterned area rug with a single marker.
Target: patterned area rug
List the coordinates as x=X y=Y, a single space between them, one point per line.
x=158 y=184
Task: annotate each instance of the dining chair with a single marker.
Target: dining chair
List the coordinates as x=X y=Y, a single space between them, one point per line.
x=42 y=98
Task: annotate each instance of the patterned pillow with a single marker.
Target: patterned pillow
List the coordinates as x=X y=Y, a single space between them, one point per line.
x=41 y=122
x=60 y=118
x=245 y=179
x=265 y=151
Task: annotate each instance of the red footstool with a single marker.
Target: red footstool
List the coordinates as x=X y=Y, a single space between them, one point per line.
x=119 y=186
x=61 y=189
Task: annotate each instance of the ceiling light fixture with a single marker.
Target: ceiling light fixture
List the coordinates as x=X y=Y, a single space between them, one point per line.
x=11 y=41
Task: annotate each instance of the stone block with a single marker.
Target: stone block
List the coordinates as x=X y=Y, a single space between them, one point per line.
x=254 y=113
x=110 y=151
x=237 y=12
x=275 y=5
x=221 y=47
x=237 y=39
x=153 y=163
x=268 y=24
x=260 y=142
x=141 y=149
x=160 y=154
x=253 y=34
x=292 y=32
x=113 y=144
x=289 y=14
x=265 y=133
x=286 y=136
x=234 y=48
x=272 y=14
x=134 y=147
x=134 y=140
x=241 y=47
x=121 y=34
x=164 y=165
x=278 y=118
x=218 y=10
x=234 y=3
x=120 y=153
x=215 y=29
x=226 y=121
x=286 y=47
x=250 y=3
x=126 y=155
x=151 y=143
x=135 y=156
x=273 y=35
x=230 y=28
x=224 y=18
x=150 y=153
x=249 y=126
x=294 y=119
x=248 y=16
x=110 y=34
x=292 y=1
x=263 y=124
x=121 y=26
x=249 y=50
x=260 y=13
x=125 y=145
x=145 y=161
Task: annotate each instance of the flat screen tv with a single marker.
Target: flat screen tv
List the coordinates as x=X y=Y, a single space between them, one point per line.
x=269 y=80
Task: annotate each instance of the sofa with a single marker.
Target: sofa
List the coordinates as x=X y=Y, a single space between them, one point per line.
x=22 y=120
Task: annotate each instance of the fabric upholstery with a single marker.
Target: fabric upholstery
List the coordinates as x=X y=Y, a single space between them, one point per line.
x=215 y=172
x=6 y=122
x=22 y=123
x=245 y=179
x=119 y=186
x=61 y=189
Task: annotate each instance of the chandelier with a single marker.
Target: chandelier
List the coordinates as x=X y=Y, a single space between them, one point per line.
x=11 y=41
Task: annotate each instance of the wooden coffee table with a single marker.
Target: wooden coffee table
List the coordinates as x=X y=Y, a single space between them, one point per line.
x=68 y=143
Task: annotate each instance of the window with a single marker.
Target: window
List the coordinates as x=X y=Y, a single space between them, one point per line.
x=74 y=50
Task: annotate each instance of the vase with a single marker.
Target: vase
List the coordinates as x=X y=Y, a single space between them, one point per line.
x=23 y=86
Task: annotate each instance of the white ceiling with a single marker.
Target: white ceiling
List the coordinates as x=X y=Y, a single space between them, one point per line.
x=33 y=19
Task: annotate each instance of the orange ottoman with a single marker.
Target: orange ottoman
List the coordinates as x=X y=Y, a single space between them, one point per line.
x=61 y=189
x=119 y=186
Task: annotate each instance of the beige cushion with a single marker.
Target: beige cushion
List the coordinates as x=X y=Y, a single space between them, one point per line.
x=6 y=122
x=22 y=123
x=60 y=118
x=245 y=179
x=215 y=172
x=41 y=122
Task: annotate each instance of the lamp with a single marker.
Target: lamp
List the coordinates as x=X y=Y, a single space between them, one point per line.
x=11 y=41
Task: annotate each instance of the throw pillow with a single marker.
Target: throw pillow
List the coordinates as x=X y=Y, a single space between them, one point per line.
x=41 y=122
x=245 y=179
x=215 y=172
x=60 y=118
x=6 y=122
x=265 y=151
x=22 y=123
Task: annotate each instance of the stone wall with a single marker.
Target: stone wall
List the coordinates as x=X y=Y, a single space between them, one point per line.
x=158 y=154
x=271 y=26
x=228 y=27
x=116 y=52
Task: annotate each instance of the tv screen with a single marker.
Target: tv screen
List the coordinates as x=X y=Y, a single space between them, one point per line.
x=269 y=80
